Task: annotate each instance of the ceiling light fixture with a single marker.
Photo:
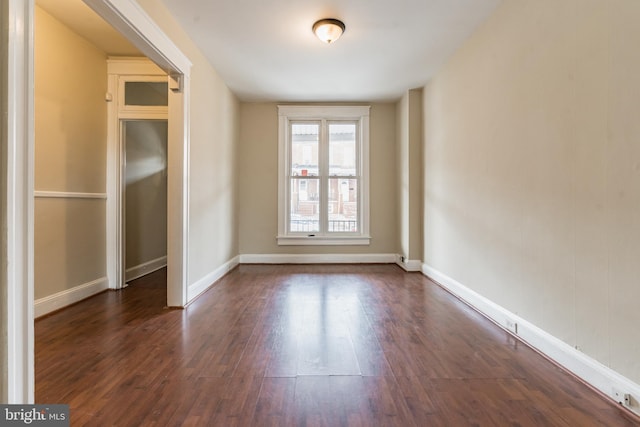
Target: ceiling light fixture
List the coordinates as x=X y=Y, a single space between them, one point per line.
x=328 y=30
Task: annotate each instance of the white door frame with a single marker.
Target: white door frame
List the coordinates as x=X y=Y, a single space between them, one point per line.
x=17 y=203
x=133 y=22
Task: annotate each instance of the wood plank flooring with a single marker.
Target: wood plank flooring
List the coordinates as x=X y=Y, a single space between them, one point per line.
x=324 y=345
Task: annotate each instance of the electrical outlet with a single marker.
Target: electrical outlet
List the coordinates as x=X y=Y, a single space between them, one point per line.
x=621 y=397
x=402 y=259
x=511 y=326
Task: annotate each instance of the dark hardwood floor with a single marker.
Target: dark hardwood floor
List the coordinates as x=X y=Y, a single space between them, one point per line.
x=324 y=345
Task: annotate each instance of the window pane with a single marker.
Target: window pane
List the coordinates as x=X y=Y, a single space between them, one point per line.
x=342 y=149
x=146 y=93
x=343 y=205
x=304 y=149
x=305 y=210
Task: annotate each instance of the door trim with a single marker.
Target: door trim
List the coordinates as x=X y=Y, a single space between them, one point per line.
x=134 y=23
x=118 y=71
x=17 y=359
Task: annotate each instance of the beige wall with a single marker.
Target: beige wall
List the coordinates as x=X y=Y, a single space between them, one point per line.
x=532 y=170
x=70 y=150
x=258 y=176
x=213 y=232
x=409 y=168
x=70 y=84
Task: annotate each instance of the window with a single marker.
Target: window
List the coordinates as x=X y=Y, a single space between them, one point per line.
x=146 y=93
x=323 y=175
x=142 y=93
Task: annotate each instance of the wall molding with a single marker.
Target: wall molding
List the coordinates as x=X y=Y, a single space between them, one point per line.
x=67 y=297
x=207 y=281
x=140 y=270
x=68 y=195
x=317 y=258
x=410 y=265
x=584 y=367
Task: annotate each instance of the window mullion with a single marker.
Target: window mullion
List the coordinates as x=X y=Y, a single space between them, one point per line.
x=324 y=172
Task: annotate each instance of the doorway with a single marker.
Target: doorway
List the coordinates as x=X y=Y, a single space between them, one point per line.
x=145 y=196
x=132 y=22
x=138 y=129
x=138 y=167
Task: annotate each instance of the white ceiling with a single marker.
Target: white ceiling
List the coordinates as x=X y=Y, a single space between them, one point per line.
x=265 y=49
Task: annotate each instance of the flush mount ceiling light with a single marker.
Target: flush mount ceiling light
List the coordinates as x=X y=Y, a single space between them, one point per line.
x=328 y=30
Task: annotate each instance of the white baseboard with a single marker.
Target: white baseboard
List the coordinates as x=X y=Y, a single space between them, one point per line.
x=589 y=370
x=317 y=258
x=62 y=299
x=410 y=265
x=205 y=283
x=137 y=271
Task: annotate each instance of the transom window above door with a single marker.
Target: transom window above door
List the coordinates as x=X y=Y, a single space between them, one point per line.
x=142 y=94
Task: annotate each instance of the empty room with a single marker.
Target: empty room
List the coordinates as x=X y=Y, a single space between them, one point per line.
x=321 y=213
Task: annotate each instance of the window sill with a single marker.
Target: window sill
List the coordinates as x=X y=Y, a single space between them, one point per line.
x=323 y=240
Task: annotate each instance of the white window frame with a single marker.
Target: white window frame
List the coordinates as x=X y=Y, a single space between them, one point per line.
x=132 y=109
x=324 y=113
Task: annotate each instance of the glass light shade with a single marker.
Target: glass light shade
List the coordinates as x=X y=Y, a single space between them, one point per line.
x=328 y=30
